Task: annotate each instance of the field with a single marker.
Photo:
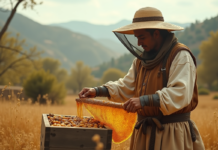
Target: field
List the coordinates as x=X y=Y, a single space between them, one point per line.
x=20 y=123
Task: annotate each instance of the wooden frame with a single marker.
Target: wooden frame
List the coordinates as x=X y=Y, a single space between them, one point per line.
x=72 y=138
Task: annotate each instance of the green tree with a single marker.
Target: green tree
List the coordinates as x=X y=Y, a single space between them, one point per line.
x=19 y=58
x=207 y=71
x=61 y=75
x=40 y=83
x=112 y=62
x=58 y=93
x=13 y=8
x=80 y=77
x=16 y=63
x=53 y=66
x=123 y=63
x=112 y=74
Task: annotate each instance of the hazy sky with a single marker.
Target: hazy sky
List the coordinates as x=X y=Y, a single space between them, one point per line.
x=112 y=11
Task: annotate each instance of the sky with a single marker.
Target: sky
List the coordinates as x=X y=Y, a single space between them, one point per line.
x=112 y=11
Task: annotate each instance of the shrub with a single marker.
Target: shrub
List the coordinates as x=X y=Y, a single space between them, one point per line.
x=203 y=91
x=215 y=97
x=112 y=74
x=40 y=83
x=215 y=85
x=58 y=93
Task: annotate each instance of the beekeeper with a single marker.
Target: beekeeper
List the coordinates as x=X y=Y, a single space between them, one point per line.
x=160 y=85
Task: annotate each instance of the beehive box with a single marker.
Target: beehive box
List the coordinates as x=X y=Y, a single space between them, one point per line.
x=72 y=138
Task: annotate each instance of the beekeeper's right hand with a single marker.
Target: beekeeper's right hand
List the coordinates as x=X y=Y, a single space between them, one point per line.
x=87 y=93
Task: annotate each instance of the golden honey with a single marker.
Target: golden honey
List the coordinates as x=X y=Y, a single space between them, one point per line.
x=79 y=109
x=120 y=121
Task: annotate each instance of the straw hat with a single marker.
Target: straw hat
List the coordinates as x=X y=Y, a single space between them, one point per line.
x=148 y=18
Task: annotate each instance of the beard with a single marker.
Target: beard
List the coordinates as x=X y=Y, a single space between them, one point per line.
x=149 y=55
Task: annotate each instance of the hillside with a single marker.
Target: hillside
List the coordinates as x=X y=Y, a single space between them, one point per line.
x=113 y=45
x=123 y=63
x=99 y=31
x=197 y=32
x=59 y=43
x=102 y=33
x=192 y=36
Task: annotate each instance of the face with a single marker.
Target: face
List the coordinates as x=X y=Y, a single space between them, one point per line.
x=145 y=39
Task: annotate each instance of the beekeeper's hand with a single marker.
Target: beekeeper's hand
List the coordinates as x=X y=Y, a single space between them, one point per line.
x=87 y=93
x=132 y=105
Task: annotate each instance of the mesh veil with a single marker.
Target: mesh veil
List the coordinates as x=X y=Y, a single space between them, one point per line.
x=131 y=43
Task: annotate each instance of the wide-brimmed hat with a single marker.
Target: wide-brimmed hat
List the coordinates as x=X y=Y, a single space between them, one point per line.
x=148 y=18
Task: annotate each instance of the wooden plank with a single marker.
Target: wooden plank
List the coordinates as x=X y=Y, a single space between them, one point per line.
x=42 y=137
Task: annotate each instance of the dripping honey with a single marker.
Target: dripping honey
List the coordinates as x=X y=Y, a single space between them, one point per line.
x=121 y=122
x=79 y=109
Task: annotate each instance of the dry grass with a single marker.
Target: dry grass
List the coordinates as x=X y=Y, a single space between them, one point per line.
x=20 y=126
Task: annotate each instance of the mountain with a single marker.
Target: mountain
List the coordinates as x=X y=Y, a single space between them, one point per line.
x=59 y=43
x=93 y=30
x=102 y=33
x=197 y=32
x=123 y=63
x=192 y=36
x=99 y=31
x=115 y=46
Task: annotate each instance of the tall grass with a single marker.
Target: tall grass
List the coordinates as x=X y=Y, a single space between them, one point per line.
x=20 y=122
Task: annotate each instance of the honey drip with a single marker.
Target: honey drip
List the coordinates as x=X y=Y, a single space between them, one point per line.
x=121 y=122
x=79 y=109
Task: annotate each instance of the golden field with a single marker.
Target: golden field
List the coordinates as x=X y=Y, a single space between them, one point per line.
x=20 y=122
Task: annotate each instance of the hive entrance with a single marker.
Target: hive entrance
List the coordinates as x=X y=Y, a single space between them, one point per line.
x=116 y=118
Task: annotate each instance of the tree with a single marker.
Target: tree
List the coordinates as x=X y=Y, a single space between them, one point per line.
x=53 y=66
x=61 y=75
x=112 y=62
x=207 y=71
x=80 y=77
x=112 y=74
x=40 y=83
x=14 y=46
x=14 y=5
x=58 y=93
x=123 y=63
x=15 y=62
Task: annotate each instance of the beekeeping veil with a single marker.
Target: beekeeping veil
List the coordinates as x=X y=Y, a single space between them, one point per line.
x=144 y=18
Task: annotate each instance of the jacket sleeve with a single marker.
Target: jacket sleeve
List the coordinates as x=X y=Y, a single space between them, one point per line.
x=123 y=89
x=179 y=91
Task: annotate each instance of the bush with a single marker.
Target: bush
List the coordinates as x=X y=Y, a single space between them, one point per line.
x=112 y=74
x=40 y=83
x=80 y=77
x=203 y=91
x=215 y=85
x=215 y=97
x=58 y=93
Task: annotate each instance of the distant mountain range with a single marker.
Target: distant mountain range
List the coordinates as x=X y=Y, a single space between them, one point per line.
x=192 y=36
x=72 y=41
x=102 y=33
x=59 y=43
x=197 y=32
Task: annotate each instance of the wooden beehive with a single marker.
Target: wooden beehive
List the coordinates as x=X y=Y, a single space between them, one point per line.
x=72 y=138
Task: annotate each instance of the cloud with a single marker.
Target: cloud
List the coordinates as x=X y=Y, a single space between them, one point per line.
x=112 y=11
x=96 y=3
x=110 y=14
x=71 y=1
x=215 y=2
x=183 y=3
